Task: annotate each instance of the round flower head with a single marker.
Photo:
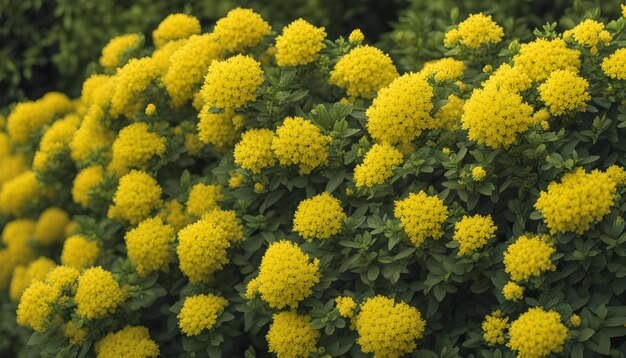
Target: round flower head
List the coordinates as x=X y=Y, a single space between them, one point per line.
x=363 y=71
x=221 y=130
x=299 y=44
x=445 y=69
x=448 y=117
x=76 y=336
x=495 y=116
x=137 y=195
x=345 y=306
x=119 y=49
x=387 y=328
x=201 y=250
x=356 y=36
x=254 y=150
x=132 y=80
x=161 y=58
x=612 y=66
x=53 y=146
x=509 y=78
x=537 y=333
x=12 y=165
x=473 y=232
x=319 y=217
x=130 y=341
x=478 y=173
x=199 y=313
x=91 y=89
x=175 y=27
x=401 y=111
x=377 y=165
x=241 y=29
x=18 y=232
x=63 y=279
x=87 y=180
x=422 y=216
x=23 y=276
x=173 y=214
x=299 y=142
x=564 y=91
x=19 y=193
x=475 y=31
x=35 y=306
x=541 y=57
x=91 y=137
x=589 y=33
x=79 y=253
x=204 y=198
x=291 y=335
x=617 y=174
x=233 y=82
x=227 y=221
x=578 y=201
x=134 y=147
x=28 y=118
x=188 y=66
x=149 y=246
x=575 y=320
x=493 y=328
x=50 y=227
x=98 y=294
x=512 y=291
x=286 y=276
x=528 y=257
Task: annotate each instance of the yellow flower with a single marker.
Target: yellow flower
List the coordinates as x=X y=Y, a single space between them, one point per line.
x=175 y=27
x=509 y=78
x=564 y=91
x=50 y=227
x=221 y=130
x=475 y=31
x=19 y=193
x=612 y=66
x=131 y=81
x=149 y=246
x=233 y=82
x=27 y=118
x=75 y=335
x=422 y=216
x=401 y=111
x=137 y=195
x=356 y=36
x=91 y=87
x=254 y=150
x=473 y=232
x=87 y=180
x=299 y=44
x=228 y=222
x=575 y=320
x=319 y=217
x=119 y=47
x=495 y=116
x=150 y=109
x=173 y=214
x=387 y=328
x=63 y=279
x=35 y=306
x=199 y=313
x=541 y=57
x=512 y=291
x=345 y=306
x=80 y=253
x=23 y=276
x=130 y=341
x=617 y=174
x=134 y=147
x=241 y=29
x=285 y=276
x=537 y=333
x=291 y=335
x=235 y=180
x=445 y=69
x=377 y=165
x=201 y=250
x=92 y=136
x=478 y=173
x=589 y=33
x=528 y=257
x=98 y=294
x=578 y=201
x=204 y=198
x=12 y=165
x=53 y=147
x=363 y=71
x=623 y=10
x=18 y=232
x=300 y=142
x=493 y=328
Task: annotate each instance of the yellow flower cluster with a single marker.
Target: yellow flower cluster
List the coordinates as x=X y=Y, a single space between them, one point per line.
x=345 y=306
x=149 y=246
x=91 y=136
x=291 y=335
x=130 y=341
x=493 y=328
x=173 y=213
x=131 y=81
x=199 y=313
x=175 y=27
x=401 y=111
x=475 y=31
x=319 y=217
x=612 y=65
x=63 y=280
x=134 y=147
x=23 y=276
x=589 y=33
x=137 y=195
x=299 y=44
x=377 y=165
x=473 y=232
x=19 y=193
x=387 y=328
x=356 y=36
x=50 y=227
x=227 y=221
x=98 y=294
x=512 y=291
x=201 y=250
x=35 y=306
x=254 y=150
x=509 y=78
x=233 y=82
x=85 y=183
x=221 y=130
x=241 y=29
x=528 y=257
x=445 y=69
x=300 y=142
x=564 y=92
x=117 y=48
x=28 y=118
x=79 y=253
x=578 y=201
x=541 y=57
x=575 y=320
x=54 y=144
x=204 y=198
x=75 y=335
x=422 y=216
x=448 y=117
x=478 y=173
x=537 y=333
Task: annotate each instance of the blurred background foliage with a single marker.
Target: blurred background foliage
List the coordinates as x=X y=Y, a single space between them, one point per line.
x=49 y=44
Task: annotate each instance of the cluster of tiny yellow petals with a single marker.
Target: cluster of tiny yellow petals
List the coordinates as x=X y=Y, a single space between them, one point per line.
x=528 y=257
x=448 y=117
x=235 y=180
x=91 y=135
x=35 y=306
x=233 y=82
x=131 y=81
x=589 y=33
x=363 y=71
x=445 y=69
x=617 y=174
x=137 y=195
x=79 y=253
x=612 y=66
x=175 y=27
x=578 y=201
x=201 y=250
x=564 y=91
x=134 y=146
x=50 y=226
x=345 y=306
x=541 y=57
x=475 y=31
x=286 y=276
x=377 y=165
x=199 y=313
x=98 y=294
x=75 y=335
x=18 y=193
x=512 y=291
x=116 y=48
x=149 y=246
x=509 y=78
x=473 y=232
x=537 y=333
x=493 y=328
x=221 y=130
x=575 y=320
x=254 y=150
x=478 y=173
x=91 y=86
x=422 y=216
x=17 y=231
x=299 y=44
x=86 y=181
x=150 y=109
x=291 y=335
x=63 y=279
x=23 y=276
x=130 y=341
x=161 y=57
x=173 y=213
x=387 y=328
x=204 y=198
x=401 y=111
x=228 y=222
x=27 y=118
x=356 y=36
x=241 y=29
x=300 y=142
x=54 y=143
x=319 y=217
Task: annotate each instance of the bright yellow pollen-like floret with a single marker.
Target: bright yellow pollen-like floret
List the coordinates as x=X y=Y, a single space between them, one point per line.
x=150 y=109
x=161 y=58
x=363 y=71
x=510 y=78
x=149 y=246
x=528 y=257
x=387 y=328
x=478 y=173
x=473 y=232
x=130 y=341
x=35 y=306
x=19 y=193
x=537 y=333
x=617 y=174
x=63 y=279
x=23 y=276
x=227 y=221
x=448 y=117
x=53 y=147
x=345 y=306
x=50 y=227
x=137 y=195
x=202 y=250
x=233 y=82
x=132 y=80
x=575 y=320
x=286 y=276
x=319 y=217
x=221 y=130
x=75 y=335
x=241 y=29
x=356 y=36
x=291 y=335
x=493 y=328
x=199 y=313
x=613 y=66
x=254 y=150
x=90 y=88
x=134 y=146
x=422 y=216
x=173 y=213
x=300 y=142
x=401 y=111
x=377 y=165
x=475 y=31
x=541 y=57
x=445 y=69
x=564 y=91
x=204 y=198
x=512 y=291
x=98 y=294
x=86 y=181
x=589 y=33
x=28 y=118
x=299 y=44
x=17 y=232
x=175 y=27
x=80 y=253
x=92 y=136
x=117 y=48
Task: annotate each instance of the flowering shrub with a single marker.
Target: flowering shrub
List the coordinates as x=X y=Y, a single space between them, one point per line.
x=244 y=190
